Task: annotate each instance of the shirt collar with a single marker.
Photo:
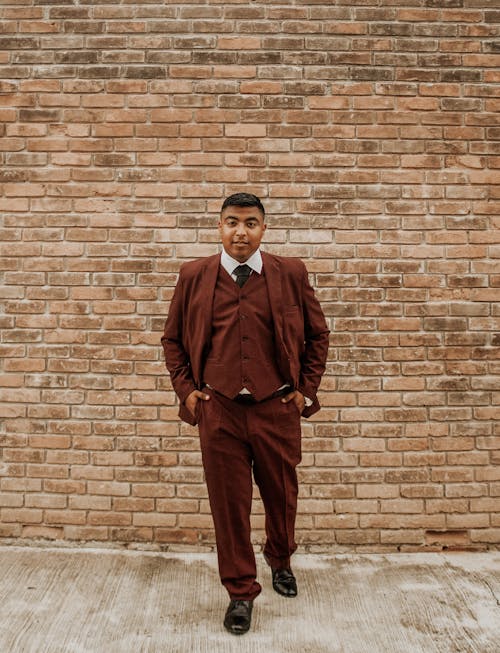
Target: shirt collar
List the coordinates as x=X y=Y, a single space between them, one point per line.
x=229 y=263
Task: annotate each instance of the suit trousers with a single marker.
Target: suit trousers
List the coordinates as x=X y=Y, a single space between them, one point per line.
x=237 y=439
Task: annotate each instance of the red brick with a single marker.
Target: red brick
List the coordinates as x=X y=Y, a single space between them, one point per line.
x=104 y=518
x=486 y=535
x=74 y=517
x=357 y=536
x=86 y=533
x=21 y=515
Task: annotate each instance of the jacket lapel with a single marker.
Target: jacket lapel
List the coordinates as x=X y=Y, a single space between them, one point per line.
x=273 y=278
x=199 y=321
x=207 y=290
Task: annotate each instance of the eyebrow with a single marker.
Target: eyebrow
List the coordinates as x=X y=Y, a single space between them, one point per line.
x=247 y=219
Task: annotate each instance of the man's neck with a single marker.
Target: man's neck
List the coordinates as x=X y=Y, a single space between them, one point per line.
x=254 y=261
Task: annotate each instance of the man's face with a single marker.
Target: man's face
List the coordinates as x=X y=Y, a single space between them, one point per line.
x=241 y=229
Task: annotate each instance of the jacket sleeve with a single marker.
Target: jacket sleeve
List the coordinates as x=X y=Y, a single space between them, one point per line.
x=316 y=332
x=176 y=357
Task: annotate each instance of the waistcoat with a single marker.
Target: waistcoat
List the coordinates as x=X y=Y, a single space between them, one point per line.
x=242 y=351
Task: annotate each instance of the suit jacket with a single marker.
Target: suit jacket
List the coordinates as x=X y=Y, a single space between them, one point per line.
x=301 y=333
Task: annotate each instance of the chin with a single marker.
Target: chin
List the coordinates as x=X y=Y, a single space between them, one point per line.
x=240 y=253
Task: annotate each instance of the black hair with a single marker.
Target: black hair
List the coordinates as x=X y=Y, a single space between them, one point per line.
x=243 y=199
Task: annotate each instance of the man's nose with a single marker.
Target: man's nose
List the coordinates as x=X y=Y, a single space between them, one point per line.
x=240 y=229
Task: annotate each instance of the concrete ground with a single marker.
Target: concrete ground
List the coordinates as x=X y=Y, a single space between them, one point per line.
x=58 y=600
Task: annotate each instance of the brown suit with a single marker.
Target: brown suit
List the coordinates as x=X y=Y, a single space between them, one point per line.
x=238 y=439
x=301 y=334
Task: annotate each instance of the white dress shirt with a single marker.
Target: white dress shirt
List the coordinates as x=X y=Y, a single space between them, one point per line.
x=230 y=264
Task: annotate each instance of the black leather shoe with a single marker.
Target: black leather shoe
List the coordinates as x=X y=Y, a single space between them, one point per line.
x=284 y=582
x=238 y=617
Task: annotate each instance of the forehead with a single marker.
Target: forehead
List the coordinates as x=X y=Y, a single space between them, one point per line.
x=242 y=213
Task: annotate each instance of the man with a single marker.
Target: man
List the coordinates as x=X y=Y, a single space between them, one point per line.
x=246 y=343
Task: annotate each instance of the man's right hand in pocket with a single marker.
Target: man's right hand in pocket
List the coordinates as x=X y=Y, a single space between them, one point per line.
x=193 y=398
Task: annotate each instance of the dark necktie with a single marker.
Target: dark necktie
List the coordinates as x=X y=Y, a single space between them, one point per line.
x=242 y=273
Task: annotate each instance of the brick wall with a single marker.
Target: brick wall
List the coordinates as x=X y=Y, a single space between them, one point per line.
x=369 y=128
